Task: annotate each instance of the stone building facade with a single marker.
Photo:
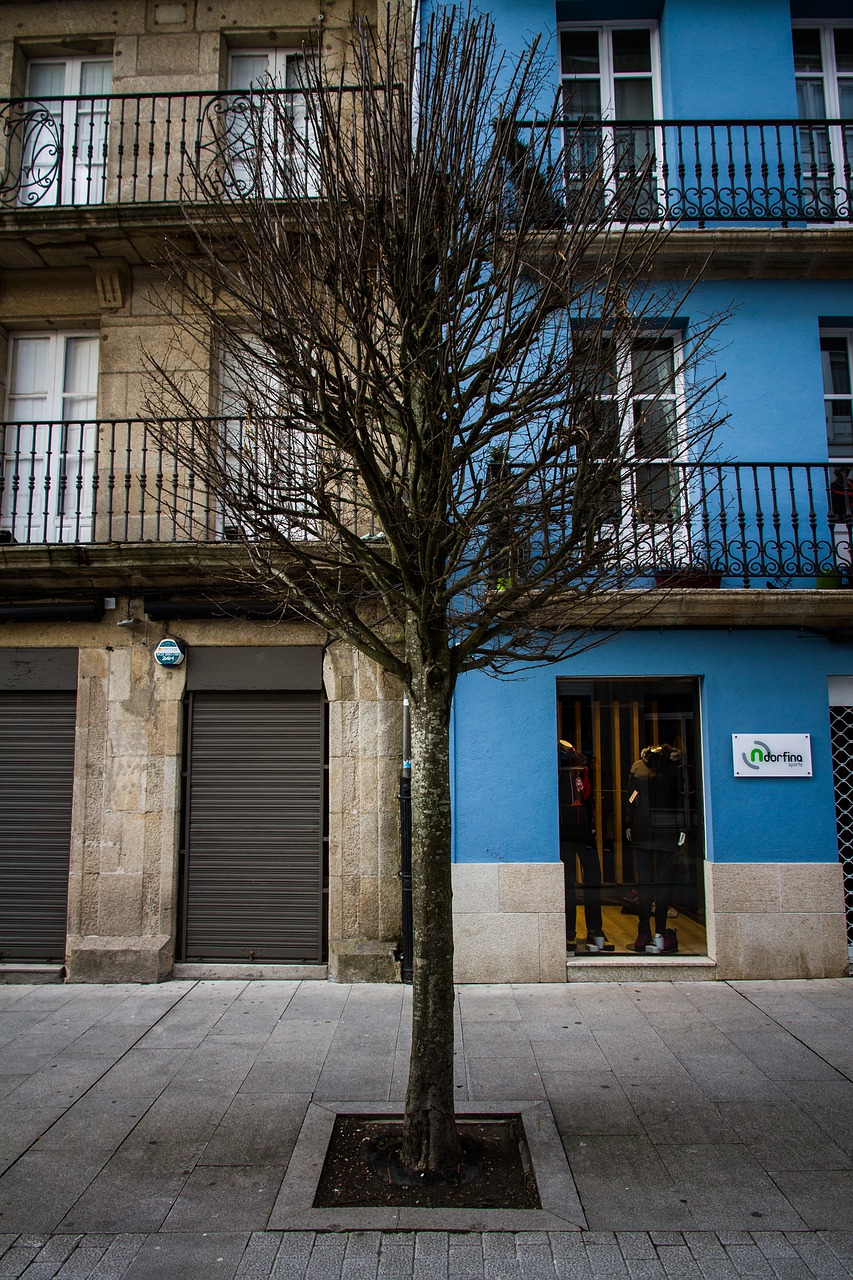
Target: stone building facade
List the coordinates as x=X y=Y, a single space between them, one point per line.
x=104 y=104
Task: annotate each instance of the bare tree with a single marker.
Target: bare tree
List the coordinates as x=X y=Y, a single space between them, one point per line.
x=448 y=429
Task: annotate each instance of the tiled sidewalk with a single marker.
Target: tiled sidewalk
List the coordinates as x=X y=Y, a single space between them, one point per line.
x=145 y=1131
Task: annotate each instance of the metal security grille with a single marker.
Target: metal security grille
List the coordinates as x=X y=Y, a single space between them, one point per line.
x=841 y=725
x=36 y=781
x=253 y=884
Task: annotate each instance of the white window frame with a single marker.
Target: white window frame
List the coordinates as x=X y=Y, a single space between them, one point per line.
x=606 y=78
x=48 y=460
x=830 y=143
x=247 y=168
x=81 y=181
x=847 y=335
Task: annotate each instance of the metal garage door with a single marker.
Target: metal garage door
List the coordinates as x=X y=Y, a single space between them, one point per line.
x=253 y=884
x=36 y=780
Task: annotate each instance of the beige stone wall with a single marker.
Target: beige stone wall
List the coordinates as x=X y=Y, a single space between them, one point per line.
x=509 y=922
x=776 y=920
x=365 y=746
x=124 y=844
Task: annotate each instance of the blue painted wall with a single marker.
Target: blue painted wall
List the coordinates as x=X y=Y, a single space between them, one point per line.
x=505 y=778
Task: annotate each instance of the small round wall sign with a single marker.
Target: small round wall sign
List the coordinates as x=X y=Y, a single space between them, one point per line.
x=169 y=653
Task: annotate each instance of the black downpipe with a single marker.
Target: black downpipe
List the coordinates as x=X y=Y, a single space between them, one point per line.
x=405 y=798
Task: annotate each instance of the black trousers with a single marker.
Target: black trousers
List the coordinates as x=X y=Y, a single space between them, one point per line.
x=570 y=854
x=655 y=884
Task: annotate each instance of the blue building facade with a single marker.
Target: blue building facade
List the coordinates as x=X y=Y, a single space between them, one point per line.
x=748 y=137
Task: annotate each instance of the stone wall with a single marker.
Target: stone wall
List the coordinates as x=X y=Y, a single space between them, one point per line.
x=509 y=922
x=776 y=920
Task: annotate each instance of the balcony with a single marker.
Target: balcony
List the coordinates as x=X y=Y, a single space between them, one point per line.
x=132 y=149
x=701 y=173
x=115 y=483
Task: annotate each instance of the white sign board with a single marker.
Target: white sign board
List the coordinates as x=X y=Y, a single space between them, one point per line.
x=772 y=755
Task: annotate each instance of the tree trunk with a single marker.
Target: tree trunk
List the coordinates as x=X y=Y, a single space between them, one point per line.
x=430 y=1140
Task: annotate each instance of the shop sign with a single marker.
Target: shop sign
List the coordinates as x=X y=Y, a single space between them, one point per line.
x=772 y=755
x=169 y=653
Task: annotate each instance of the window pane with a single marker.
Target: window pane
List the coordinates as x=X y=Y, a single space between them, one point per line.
x=811 y=104
x=248 y=69
x=30 y=366
x=47 y=79
x=844 y=49
x=654 y=434
x=582 y=98
x=807 y=49
x=81 y=367
x=839 y=427
x=835 y=366
x=633 y=99
x=579 y=53
x=632 y=50
x=96 y=78
x=654 y=370
x=845 y=100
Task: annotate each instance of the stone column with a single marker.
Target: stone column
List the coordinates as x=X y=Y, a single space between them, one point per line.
x=123 y=880
x=365 y=755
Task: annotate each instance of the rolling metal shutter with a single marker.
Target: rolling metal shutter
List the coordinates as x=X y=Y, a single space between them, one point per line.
x=36 y=781
x=253 y=879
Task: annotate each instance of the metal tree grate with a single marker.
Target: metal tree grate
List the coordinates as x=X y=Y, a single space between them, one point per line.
x=841 y=726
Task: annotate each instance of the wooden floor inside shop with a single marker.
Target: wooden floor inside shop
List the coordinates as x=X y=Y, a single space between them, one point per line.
x=621 y=930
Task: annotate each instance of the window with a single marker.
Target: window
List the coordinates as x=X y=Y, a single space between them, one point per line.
x=64 y=146
x=268 y=455
x=49 y=441
x=835 y=356
x=269 y=132
x=823 y=67
x=609 y=73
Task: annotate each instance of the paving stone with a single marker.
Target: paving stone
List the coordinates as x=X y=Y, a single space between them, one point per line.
x=534 y=1258
x=635 y=1244
x=225 y=1199
x=821 y=1259
x=606 y=1261
x=749 y=1260
x=257 y=1129
x=256 y=1263
x=431 y=1255
x=212 y=1255
x=501 y=1260
x=823 y=1199
x=465 y=1257
x=569 y=1254
x=327 y=1258
x=361 y=1259
x=396 y=1257
x=725 y=1187
x=118 y=1257
x=15 y=1262
x=57 y=1249
x=645 y=1269
x=81 y=1264
x=292 y=1258
x=678 y=1262
x=6 y=1242
x=623 y=1185
x=841 y=1242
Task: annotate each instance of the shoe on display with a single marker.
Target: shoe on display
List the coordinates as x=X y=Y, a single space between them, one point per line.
x=671 y=913
x=598 y=942
x=655 y=948
x=643 y=941
x=670 y=941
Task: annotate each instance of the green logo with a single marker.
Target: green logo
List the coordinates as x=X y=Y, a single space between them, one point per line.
x=757 y=754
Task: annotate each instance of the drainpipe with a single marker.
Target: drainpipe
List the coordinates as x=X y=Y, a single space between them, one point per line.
x=405 y=798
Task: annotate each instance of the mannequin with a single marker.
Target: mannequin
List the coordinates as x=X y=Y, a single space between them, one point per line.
x=577 y=844
x=654 y=825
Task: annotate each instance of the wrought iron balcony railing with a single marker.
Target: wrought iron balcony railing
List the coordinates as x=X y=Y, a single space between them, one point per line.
x=699 y=172
x=681 y=523
x=152 y=147
x=164 y=148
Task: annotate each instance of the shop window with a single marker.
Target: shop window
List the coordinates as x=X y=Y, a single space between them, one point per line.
x=631 y=829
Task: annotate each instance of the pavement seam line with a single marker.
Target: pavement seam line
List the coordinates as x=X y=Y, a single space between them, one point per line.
x=97 y=1081
x=789 y=1032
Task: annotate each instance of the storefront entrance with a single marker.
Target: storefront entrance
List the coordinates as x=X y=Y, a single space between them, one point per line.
x=628 y=756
